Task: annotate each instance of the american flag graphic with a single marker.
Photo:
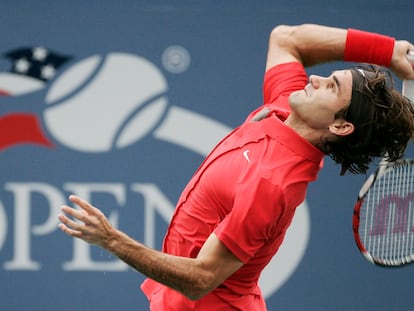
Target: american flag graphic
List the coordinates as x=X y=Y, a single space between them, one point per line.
x=31 y=68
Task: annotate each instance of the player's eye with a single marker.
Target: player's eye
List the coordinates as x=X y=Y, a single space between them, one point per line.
x=332 y=85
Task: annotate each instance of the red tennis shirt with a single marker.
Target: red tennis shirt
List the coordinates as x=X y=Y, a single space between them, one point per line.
x=246 y=192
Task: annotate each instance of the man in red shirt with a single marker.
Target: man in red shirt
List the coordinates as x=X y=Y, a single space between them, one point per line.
x=232 y=216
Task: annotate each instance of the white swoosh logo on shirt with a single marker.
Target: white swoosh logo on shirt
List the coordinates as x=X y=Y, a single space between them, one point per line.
x=246 y=155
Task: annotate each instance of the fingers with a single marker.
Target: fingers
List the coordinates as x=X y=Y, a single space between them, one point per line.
x=69 y=226
x=69 y=222
x=75 y=213
x=400 y=63
x=410 y=56
x=72 y=227
x=68 y=230
x=85 y=205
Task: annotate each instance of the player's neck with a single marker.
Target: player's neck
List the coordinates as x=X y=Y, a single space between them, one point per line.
x=314 y=136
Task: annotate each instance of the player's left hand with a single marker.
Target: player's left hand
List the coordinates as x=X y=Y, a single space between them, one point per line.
x=87 y=223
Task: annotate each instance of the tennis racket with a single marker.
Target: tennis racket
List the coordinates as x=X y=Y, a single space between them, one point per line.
x=383 y=220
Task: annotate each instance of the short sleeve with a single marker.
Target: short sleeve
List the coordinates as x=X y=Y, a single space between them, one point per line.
x=253 y=218
x=281 y=80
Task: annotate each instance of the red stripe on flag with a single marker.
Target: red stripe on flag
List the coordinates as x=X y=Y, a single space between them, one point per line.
x=21 y=129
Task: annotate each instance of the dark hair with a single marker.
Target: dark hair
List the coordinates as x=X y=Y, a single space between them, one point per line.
x=382 y=117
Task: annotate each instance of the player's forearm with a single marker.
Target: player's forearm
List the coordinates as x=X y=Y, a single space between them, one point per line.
x=185 y=275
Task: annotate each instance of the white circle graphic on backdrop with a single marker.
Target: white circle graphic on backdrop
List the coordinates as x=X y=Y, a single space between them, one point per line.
x=176 y=59
x=102 y=103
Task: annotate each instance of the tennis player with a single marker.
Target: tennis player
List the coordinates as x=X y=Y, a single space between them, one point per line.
x=232 y=216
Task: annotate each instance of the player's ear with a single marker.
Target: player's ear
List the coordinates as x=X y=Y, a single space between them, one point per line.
x=341 y=127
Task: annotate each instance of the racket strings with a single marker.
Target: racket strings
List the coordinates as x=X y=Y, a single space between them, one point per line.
x=387 y=216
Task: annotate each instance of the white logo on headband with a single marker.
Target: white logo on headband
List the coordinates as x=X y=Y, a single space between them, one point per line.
x=361 y=72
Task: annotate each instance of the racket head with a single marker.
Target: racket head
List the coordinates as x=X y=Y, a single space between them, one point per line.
x=383 y=220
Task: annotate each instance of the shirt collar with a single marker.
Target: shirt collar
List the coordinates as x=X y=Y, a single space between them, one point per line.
x=274 y=127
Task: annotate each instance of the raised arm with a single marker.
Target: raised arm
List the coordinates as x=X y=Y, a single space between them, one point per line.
x=309 y=44
x=314 y=44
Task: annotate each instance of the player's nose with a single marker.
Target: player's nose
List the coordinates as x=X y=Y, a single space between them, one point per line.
x=314 y=80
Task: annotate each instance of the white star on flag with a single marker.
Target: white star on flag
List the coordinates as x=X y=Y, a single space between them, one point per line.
x=39 y=53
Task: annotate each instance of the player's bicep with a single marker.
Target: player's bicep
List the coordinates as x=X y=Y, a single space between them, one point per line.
x=216 y=258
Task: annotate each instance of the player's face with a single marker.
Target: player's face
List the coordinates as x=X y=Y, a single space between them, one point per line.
x=317 y=104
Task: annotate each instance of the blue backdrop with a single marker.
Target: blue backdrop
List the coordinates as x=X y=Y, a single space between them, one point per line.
x=118 y=102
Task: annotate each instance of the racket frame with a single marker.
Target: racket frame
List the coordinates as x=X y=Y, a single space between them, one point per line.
x=382 y=169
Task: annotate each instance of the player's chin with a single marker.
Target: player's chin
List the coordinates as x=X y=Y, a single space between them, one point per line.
x=297 y=97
